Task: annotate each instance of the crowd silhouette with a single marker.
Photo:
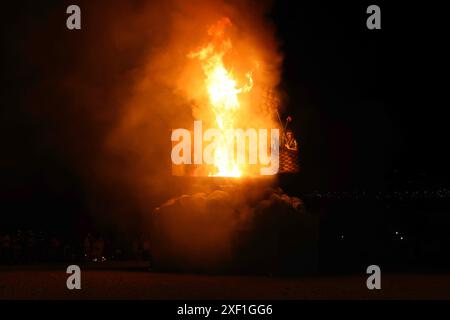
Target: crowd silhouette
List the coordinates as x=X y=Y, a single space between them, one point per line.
x=30 y=247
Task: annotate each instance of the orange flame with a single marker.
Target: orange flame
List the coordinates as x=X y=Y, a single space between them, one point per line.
x=223 y=92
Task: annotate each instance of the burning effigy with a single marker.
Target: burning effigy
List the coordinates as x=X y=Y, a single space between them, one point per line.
x=243 y=221
x=204 y=110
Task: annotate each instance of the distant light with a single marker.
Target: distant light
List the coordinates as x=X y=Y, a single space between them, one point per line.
x=396 y=232
x=401 y=238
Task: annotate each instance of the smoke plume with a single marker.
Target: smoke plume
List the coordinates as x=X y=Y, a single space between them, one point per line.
x=114 y=90
x=248 y=226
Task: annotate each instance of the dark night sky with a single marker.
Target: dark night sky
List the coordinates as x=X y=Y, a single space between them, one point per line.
x=365 y=103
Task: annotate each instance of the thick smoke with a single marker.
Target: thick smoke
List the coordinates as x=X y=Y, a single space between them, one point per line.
x=136 y=84
x=169 y=91
x=248 y=226
x=106 y=98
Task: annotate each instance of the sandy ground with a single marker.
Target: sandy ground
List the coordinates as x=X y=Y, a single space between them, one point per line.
x=139 y=283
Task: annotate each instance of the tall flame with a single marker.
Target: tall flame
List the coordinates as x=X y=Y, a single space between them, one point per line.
x=223 y=94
